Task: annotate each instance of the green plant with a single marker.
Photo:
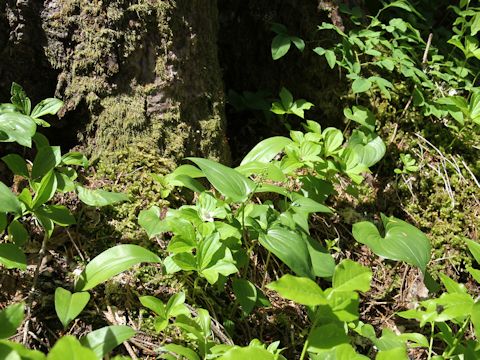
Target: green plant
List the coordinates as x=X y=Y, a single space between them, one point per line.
x=94 y=346
x=282 y=41
x=450 y=315
x=409 y=165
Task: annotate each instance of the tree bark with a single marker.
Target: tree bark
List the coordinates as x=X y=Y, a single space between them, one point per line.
x=139 y=78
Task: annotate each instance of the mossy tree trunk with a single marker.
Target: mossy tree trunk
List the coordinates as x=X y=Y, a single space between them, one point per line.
x=138 y=77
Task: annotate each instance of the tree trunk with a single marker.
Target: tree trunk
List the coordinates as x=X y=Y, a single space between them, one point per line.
x=138 y=77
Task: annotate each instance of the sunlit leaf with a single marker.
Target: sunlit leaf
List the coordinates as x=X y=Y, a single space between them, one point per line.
x=299 y=289
x=227 y=181
x=112 y=262
x=104 y=340
x=402 y=241
x=68 y=306
x=100 y=197
x=266 y=150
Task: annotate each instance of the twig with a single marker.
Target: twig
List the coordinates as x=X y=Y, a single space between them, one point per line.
x=75 y=246
x=425 y=53
x=471 y=173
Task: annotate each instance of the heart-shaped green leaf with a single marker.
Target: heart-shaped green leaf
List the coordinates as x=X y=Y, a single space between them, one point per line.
x=68 y=306
x=150 y=221
x=402 y=241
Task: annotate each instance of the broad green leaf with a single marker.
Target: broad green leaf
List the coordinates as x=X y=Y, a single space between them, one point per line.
x=361 y=115
x=12 y=257
x=475 y=24
x=47 y=158
x=112 y=262
x=75 y=158
x=266 y=150
x=372 y=152
x=452 y=286
x=190 y=183
x=399 y=353
x=225 y=267
x=340 y=352
x=247 y=353
x=154 y=304
x=181 y=350
x=16 y=164
x=474 y=248
x=18 y=232
x=188 y=170
x=475 y=273
x=299 y=289
x=176 y=305
x=8 y=201
x=71 y=348
x=150 y=221
x=10 y=319
x=326 y=337
x=333 y=139
x=104 y=340
x=361 y=85
x=475 y=318
x=351 y=276
x=246 y=294
x=46 y=189
x=304 y=204
x=68 y=306
x=227 y=181
x=20 y=99
x=323 y=264
x=299 y=43
x=289 y=247
x=388 y=341
x=59 y=214
x=280 y=46
x=402 y=241
x=402 y=4
x=331 y=58
x=319 y=50
x=3 y=222
x=49 y=106
x=20 y=350
x=17 y=127
x=286 y=98
x=474 y=107
x=100 y=197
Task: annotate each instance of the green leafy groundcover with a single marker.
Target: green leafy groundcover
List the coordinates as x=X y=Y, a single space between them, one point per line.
x=250 y=234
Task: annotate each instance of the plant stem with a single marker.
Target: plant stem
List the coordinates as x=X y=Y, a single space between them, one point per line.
x=304 y=350
x=41 y=255
x=457 y=337
x=432 y=333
